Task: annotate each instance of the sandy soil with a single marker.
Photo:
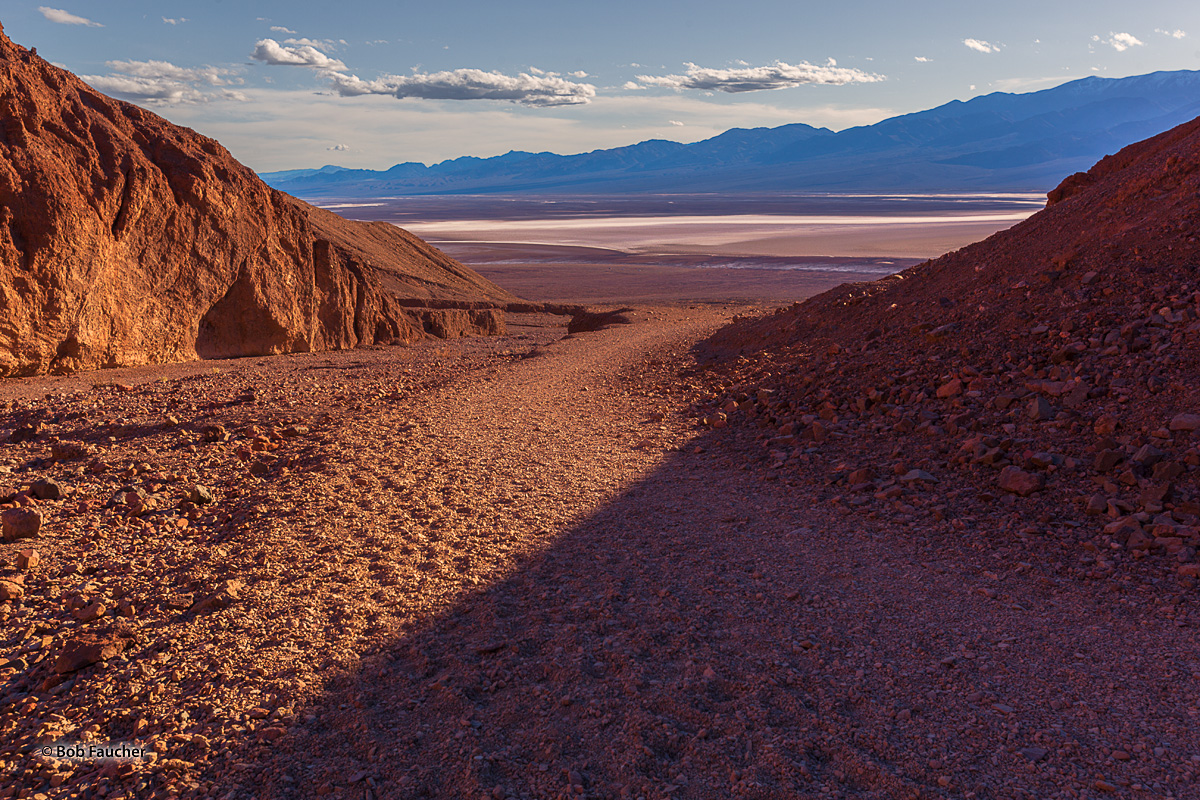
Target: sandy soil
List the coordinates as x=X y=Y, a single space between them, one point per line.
x=520 y=568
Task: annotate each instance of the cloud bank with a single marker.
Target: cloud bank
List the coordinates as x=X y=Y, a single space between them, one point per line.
x=779 y=75
x=539 y=91
x=272 y=52
x=66 y=17
x=161 y=82
x=536 y=88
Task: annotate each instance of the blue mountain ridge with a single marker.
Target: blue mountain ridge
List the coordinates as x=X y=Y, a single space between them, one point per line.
x=995 y=142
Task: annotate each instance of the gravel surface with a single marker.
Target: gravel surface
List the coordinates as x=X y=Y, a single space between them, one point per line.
x=523 y=567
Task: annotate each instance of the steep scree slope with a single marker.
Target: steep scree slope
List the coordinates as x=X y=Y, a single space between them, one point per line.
x=1048 y=374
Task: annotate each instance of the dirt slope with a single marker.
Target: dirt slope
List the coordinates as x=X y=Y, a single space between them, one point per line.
x=125 y=239
x=1046 y=380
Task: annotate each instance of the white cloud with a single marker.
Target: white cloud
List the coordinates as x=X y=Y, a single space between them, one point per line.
x=1175 y=34
x=922 y=59
x=981 y=46
x=281 y=29
x=1120 y=41
x=66 y=17
x=161 y=82
x=578 y=74
x=320 y=44
x=675 y=122
x=341 y=148
x=272 y=52
x=213 y=76
x=753 y=79
x=631 y=86
x=173 y=21
x=1028 y=84
x=539 y=91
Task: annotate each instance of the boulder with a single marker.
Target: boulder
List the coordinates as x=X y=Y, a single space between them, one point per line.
x=20 y=523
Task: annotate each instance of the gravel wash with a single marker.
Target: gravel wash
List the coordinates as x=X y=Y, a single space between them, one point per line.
x=521 y=567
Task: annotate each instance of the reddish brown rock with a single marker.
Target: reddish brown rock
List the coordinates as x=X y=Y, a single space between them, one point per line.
x=1185 y=422
x=127 y=240
x=11 y=589
x=20 y=523
x=86 y=649
x=1018 y=481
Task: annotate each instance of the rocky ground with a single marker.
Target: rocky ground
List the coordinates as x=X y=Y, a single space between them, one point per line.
x=536 y=566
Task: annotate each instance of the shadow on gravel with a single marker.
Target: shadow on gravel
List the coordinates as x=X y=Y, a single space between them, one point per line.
x=660 y=649
x=710 y=635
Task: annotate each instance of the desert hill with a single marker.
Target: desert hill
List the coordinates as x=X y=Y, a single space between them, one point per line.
x=1056 y=361
x=127 y=240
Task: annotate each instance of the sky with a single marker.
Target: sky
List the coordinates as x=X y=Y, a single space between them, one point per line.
x=370 y=83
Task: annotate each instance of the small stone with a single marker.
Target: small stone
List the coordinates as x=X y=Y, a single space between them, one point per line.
x=201 y=495
x=70 y=451
x=1034 y=754
x=1185 y=422
x=1039 y=409
x=1105 y=425
x=1107 y=459
x=46 y=489
x=28 y=559
x=1018 y=481
x=951 y=388
x=917 y=475
x=1188 y=571
x=862 y=475
x=1148 y=456
x=226 y=594
x=1166 y=471
x=214 y=433
x=20 y=523
x=1097 y=504
x=88 y=648
x=91 y=613
x=11 y=590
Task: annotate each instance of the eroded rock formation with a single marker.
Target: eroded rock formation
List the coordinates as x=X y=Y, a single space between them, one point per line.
x=125 y=239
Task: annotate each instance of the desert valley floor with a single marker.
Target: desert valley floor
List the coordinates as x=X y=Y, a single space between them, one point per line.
x=520 y=567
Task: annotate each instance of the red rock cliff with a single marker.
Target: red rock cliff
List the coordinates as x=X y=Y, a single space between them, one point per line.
x=125 y=239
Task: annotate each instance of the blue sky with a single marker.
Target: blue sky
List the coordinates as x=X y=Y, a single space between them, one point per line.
x=371 y=84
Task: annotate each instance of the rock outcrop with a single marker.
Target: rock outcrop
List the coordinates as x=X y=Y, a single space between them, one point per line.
x=125 y=239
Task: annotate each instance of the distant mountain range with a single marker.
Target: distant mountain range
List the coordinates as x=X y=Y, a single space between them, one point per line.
x=996 y=142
